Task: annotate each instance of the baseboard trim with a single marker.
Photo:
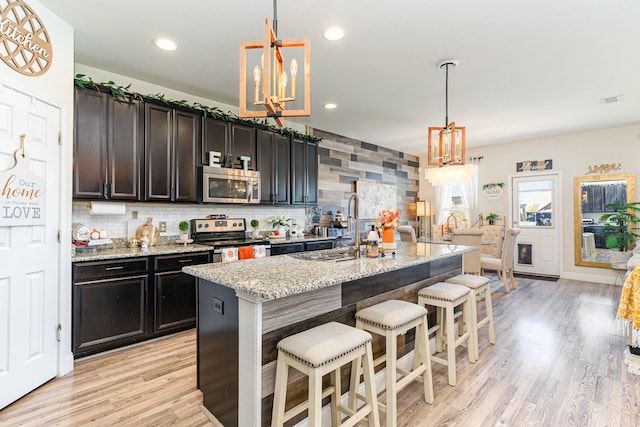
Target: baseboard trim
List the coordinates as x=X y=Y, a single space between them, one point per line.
x=537 y=276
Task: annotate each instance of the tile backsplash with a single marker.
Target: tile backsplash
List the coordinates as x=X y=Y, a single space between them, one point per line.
x=116 y=225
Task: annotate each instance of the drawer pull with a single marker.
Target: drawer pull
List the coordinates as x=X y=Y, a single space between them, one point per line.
x=184 y=260
x=118 y=267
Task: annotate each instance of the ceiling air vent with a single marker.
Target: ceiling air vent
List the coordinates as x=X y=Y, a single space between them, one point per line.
x=611 y=99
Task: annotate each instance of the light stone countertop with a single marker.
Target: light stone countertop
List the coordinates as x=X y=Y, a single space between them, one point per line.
x=169 y=248
x=114 y=253
x=285 y=275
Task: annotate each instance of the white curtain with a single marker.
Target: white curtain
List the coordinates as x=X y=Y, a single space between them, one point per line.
x=443 y=202
x=470 y=197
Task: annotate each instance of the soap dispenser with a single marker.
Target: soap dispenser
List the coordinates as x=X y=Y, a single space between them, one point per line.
x=372 y=243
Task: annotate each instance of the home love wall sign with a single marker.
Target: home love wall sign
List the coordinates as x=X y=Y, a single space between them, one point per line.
x=25 y=44
x=22 y=200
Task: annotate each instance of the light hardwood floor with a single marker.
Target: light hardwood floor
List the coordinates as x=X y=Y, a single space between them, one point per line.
x=558 y=361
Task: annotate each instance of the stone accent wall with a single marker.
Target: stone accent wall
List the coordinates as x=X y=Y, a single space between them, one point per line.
x=345 y=160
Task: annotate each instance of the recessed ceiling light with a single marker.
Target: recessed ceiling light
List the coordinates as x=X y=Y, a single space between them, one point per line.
x=333 y=33
x=330 y=106
x=165 y=44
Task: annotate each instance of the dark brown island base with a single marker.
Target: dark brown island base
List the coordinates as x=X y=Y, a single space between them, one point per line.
x=245 y=308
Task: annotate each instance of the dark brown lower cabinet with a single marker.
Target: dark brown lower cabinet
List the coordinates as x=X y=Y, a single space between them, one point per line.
x=123 y=301
x=110 y=305
x=175 y=292
x=287 y=248
x=175 y=298
x=318 y=245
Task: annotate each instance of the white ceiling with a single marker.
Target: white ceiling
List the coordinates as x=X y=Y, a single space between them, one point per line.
x=527 y=69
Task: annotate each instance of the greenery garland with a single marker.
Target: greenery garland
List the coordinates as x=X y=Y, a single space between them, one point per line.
x=123 y=92
x=497 y=184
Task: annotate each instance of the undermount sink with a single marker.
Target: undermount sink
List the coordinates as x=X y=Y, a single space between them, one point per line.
x=331 y=255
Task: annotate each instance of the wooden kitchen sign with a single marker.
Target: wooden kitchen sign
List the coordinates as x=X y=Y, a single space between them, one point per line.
x=25 y=41
x=22 y=200
x=534 y=165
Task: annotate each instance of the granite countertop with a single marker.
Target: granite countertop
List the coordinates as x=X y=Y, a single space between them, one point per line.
x=167 y=247
x=120 y=252
x=285 y=275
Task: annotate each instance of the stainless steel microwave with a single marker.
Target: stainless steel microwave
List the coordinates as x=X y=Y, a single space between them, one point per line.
x=224 y=185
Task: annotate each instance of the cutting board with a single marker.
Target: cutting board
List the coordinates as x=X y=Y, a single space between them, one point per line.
x=152 y=231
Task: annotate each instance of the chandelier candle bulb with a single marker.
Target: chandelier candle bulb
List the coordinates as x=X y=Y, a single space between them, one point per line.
x=294 y=71
x=256 y=85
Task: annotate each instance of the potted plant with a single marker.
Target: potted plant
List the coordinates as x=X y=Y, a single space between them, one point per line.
x=254 y=224
x=184 y=227
x=492 y=218
x=620 y=231
x=279 y=225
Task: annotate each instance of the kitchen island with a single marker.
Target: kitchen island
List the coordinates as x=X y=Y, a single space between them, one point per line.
x=245 y=308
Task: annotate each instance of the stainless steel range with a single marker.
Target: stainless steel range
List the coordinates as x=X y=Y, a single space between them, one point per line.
x=224 y=233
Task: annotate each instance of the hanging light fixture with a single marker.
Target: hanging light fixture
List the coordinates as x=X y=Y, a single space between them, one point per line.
x=270 y=78
x=447 y=144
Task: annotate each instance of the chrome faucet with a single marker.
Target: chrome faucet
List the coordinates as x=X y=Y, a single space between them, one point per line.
x=356 y=217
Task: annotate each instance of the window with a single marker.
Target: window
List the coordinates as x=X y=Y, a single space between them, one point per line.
x=534 y=204
x=459 y=199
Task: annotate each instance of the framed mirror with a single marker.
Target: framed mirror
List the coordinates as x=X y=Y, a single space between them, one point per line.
x=591 y=195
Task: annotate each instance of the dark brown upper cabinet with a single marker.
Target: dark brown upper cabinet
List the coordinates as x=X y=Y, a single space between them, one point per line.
x=232 y=140
x=107 y=146
x=274 y=166
x=172 y=153
x=243 y=143
x=304 y=172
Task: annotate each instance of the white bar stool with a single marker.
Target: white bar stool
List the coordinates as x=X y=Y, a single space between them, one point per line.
x=479 y=285
x=446 y=297
x=391 y=319
x=316 y=352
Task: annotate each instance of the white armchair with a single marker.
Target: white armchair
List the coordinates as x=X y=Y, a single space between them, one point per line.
x=504 y=263
x=469 y=237
x=407 y=233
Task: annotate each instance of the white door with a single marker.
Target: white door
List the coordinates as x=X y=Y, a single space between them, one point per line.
x=537 y=211
x=29 y=254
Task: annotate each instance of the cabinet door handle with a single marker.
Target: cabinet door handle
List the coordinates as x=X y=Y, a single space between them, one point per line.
x=184 y=260
x=117 y=267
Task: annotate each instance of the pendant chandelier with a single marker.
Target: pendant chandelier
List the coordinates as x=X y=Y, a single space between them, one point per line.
x=447 y=144
x=270 y=78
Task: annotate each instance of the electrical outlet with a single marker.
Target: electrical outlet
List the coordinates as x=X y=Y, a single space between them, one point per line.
x=162 y=227
x=218 y=306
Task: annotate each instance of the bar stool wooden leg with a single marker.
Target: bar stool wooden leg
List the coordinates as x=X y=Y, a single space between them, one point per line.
x=315 y=397
x=451 y=344
x=279 y=395
x=439 y=330
x=422 y=347
x=336 y=396
x=391 y=384
x=489 y=309
x=369 y=389
x=470 y=323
